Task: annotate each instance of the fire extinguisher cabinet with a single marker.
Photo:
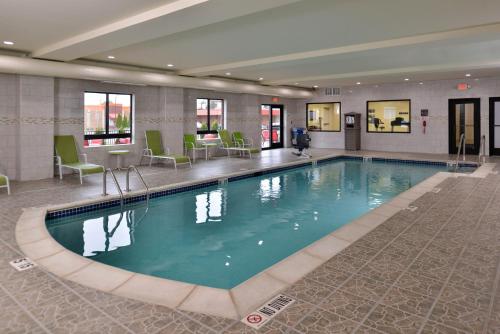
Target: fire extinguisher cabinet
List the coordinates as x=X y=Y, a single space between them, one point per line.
x=352 y=123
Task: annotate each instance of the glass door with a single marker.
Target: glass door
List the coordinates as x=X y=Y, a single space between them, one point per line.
x=464 y=119
x=495 y=126
x=271 y=122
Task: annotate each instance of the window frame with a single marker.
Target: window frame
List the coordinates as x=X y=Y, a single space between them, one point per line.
x=340 y=116
x=107 y=135
x=209 y=124
x=390 y=100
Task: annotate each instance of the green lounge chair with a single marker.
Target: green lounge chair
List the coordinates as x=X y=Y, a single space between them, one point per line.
x=154 y=150
x=240 y=140
x=230 y=146
x=190 y=144
x=67 y=156
x=4 y=183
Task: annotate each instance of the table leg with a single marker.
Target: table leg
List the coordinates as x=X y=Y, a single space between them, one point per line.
x=206 y=152
x=119 y=161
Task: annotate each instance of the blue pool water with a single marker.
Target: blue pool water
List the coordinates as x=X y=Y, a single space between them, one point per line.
x=220 y=236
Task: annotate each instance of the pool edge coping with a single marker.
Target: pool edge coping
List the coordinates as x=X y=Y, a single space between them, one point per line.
x=36 y=243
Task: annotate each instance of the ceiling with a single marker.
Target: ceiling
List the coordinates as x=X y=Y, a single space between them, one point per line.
x=286 y=42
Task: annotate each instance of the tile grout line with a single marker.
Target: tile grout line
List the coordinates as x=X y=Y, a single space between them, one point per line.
x=72 y=290
x=464 y=247
x=492 y=301
x=375 y=255
x=414 y=260
x=24 y=309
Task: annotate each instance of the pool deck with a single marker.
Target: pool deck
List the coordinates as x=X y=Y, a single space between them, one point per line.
x=435 y=269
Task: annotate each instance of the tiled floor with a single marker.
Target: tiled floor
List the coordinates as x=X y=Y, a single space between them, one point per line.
x=434 y=270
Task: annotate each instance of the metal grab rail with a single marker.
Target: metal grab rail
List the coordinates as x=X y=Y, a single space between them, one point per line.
x=482 y=150
x=104 y=186
x=131 y=167
x=462 y=143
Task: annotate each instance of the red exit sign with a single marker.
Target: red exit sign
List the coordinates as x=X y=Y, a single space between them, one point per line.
x=275 y=99
x=463 y=86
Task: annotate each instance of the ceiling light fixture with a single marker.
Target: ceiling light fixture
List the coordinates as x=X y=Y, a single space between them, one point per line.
x=468 y=75
x=8 y=42
x=420 y=83
x=228 y=73
x=315 y=86
x=296 y=83
x=260 y=79
x=170 y=65
x=111 y=57
x=407 y=79
x=358 y=83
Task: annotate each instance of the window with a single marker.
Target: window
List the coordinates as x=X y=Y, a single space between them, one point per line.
x=323 y=116
x=209 y=116
x=388 y=116
x=107 y=119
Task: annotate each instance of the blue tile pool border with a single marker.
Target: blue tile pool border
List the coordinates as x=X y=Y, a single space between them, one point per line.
x=162 y=193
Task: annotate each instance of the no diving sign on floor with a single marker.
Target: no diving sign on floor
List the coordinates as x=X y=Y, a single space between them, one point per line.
x=267 y=311
x=22 y=264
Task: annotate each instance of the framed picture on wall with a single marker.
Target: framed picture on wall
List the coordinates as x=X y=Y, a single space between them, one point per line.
x=388 y=116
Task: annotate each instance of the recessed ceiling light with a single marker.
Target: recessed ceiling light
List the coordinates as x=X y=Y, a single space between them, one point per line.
x=111 y=57
x=420 y=83
x=8 y=42
x=476 y=79
x=468 y=75
x=350 y=91
x=261 y=78
x=358 y=83
x=228 y=73
x=296 y=83
x=315 y=86
x=170 y=65
x=407 y=79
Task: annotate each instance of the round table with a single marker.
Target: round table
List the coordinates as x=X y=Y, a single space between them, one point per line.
x=119 y=154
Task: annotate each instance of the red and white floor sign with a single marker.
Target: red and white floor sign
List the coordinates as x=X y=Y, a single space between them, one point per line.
x=267 y=311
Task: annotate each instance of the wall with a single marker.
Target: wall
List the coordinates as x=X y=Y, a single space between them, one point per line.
x=34 y=109
x=432 y=95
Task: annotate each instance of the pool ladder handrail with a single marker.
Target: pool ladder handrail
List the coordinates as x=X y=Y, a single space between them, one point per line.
x=115 y=181
x=482 y=151
x=462 y=143
x=132 y=167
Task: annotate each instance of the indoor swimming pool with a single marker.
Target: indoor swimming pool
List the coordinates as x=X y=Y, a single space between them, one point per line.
x=221 y=235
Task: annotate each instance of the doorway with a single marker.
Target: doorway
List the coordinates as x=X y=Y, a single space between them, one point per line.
x=464 y=118
x=494 y=125
x=271 y=124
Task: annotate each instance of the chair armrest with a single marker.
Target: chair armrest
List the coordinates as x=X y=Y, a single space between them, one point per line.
x=84 y=155
x=58 y=160
x=147 y=152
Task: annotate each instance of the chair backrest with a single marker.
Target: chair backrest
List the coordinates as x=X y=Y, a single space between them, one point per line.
x=65 y=147
x=190 y=139
x=3 y=180
x=265 y=134
x=238 y=137
x=225 y=137
x=153 y=142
